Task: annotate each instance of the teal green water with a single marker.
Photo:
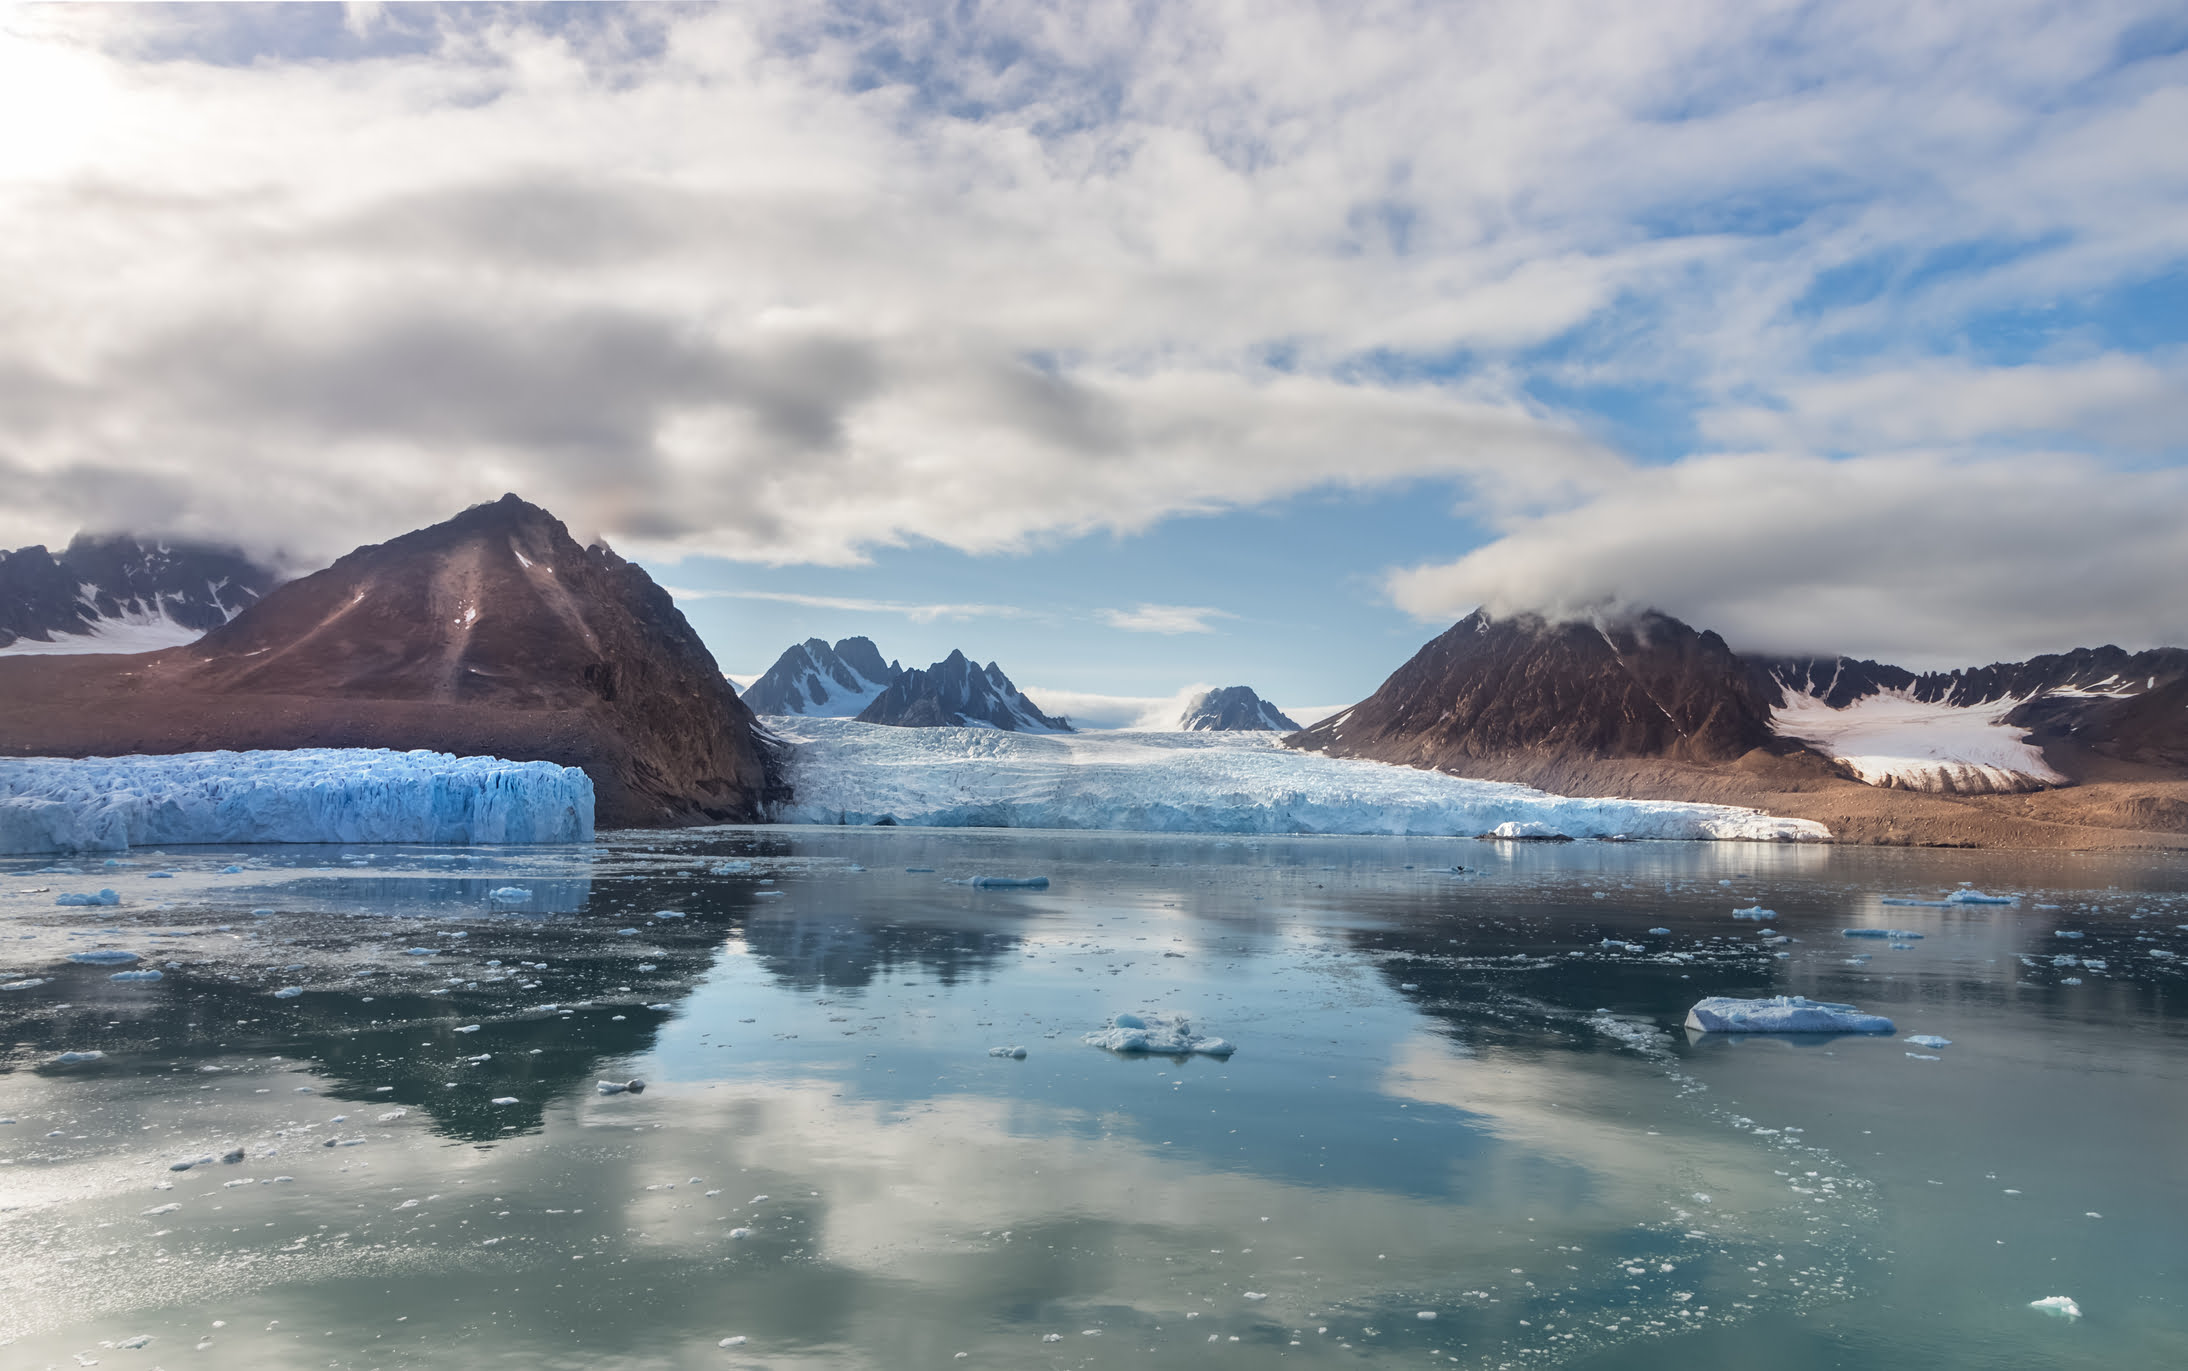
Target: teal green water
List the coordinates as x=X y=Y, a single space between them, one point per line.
x=1450 y=1099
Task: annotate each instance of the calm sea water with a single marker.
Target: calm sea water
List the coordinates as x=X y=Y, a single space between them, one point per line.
x=1459 y=1129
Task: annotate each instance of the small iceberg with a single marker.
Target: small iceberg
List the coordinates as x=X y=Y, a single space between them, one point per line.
x=1157 y=1033
x=509 y=894
x=1970 y=895
x=87 y=1055
x=147 y=975
x=1527 y=831
x=2058 y=1306
x=106 y=956
x=1781 y=1014
x=1009 y=883
x=1897 y=934
x=1930 y=1040
x=103 y=897
x=1755 y=911
x=1014 y=1053
x=288 y=992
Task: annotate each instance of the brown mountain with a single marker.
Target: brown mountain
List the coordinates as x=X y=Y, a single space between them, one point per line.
x=494 y=633
x=1523 y=687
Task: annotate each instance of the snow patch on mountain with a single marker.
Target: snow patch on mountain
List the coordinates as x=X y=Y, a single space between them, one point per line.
x=816 y=680
x=1205 y=782
x=132 y=631
x=309 y=795
x=1233 y=707
x=1892 y=739
x=958 y=692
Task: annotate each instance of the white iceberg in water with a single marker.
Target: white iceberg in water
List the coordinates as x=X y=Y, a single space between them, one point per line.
x=2058 y=1306
x=844 y=772
x=1155 y=1032
x=310 y=795
x=1756 y=912
x=1967 y=895
x=1781 y=1014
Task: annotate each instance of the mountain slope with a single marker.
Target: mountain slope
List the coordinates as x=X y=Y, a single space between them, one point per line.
x=121 y=594
x=1233 y=707
x=1649 y=687
x=814 y=680
x=493 y=633
x=955 y=692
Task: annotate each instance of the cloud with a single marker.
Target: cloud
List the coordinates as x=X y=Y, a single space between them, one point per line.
x=1928 y=560
x=1145 y=618
x=1087 y=709
x=917 y=613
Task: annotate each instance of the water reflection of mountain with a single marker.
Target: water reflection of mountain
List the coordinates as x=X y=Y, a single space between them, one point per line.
x=843 y=951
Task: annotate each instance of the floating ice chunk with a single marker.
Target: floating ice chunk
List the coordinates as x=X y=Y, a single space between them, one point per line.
x=1929 y=1040
x=1899 y=933
x=159 y=1209
x=1660 y=932
x=509 y=894
x=1018 y=1053
x=740 y=1234
x=468 y=1028
x=231 y=871
x=737 y=1341
x=103 y=897
x=1156 y=1032
x=1257 y=1294
x=1925 y=1057
x=1781 y=1014
x=1426 y=1315
x=506 y=1099
x=261 y=913
x=28 y=983
x=1755 y=911
x=2070 y=980
x=106 y=956
x=1009 y=883
x=2066 y=933
x=90 y=1054
x=633 y=1087
x=1925 y=904
x=147 y=975
x=626 y=933
x=1409 y=986
x=1970 y=895
x=134 y=1342
x=206 y=1160
x=419 y=952
x=2058 y=1306
x=735 y=867
x=1525 y=830
x=919 y=870
x=288 y=992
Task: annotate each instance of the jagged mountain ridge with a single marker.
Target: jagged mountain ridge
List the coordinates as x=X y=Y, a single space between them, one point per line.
x=1234 y=708
x=815 y=680
x=103 y=594
x=493 y=633
x=1651 y=687
x=958 y=693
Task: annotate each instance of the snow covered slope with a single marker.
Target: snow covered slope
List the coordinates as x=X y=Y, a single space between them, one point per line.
x=818 y=681
x=1219 y=782
x=958 y=692
x=120 y=594
x=1892 y=739
x=1233 y=707
x=311 y=795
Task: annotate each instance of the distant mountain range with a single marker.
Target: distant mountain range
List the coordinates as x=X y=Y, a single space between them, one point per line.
x=122 y=594
x=850 y=681
x=1649 y=686
x=493 y=633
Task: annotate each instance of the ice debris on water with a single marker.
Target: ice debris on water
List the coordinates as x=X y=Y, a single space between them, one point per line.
x=1009 y=883
x=147 y=975
x=1017 y=1053
x=509 y=894
x=2058 y=1306
x=1925 y=1056
x=1754 y=911
x=106 y=956
x=78 y=898
x=2066 y=933
x=29 y=983
x=419 y=952
x=1929 y=1040
x=1660 y=932
x=1970 y=895
x=632 y=1087
x=468 y=1028
x=737 y=1341
x=360 y=795
x=91 y=1054
x=1897 y=933
x=1156 y=1032
x=506 y=1099
x=1781 y=1014
x=288 y=992
x=134 y=1342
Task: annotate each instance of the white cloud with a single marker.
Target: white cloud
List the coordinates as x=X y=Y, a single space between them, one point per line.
x=916 y=612
x=1087 y=709
x=1926 y=560
x=1146 y=618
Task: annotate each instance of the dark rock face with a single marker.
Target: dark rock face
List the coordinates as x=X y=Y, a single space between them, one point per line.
x=819 y=681
x=101 y=581
x=1234 y=708
x=956 y=693
x=1649 y=687
x=491 y=634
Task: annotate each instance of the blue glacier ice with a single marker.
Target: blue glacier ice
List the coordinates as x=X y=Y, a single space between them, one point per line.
x=310 y=795
x=1781 y=1014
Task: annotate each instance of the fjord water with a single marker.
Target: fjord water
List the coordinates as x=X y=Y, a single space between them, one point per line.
x=1450 y=1097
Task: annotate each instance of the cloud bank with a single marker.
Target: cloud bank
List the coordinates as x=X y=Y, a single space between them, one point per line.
x=791 y=282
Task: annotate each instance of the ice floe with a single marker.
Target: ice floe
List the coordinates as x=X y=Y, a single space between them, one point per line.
x=106 y=956
x=1156 y=1032
x=848 y=772
x=1781 y=1014
x=345 y=795
x=2058 y=1306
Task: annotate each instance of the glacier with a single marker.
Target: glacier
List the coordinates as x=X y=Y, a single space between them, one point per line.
x=845 y=772
x=309 y=795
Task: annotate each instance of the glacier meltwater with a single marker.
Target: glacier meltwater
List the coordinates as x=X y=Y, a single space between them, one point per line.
x=853 y=773
x=310 y=795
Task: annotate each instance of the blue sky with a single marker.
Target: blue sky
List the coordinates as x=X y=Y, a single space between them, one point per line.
x=1167 y=344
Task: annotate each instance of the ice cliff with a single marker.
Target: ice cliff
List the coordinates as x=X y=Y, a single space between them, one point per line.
x=311 y=795
x=1215 y=782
